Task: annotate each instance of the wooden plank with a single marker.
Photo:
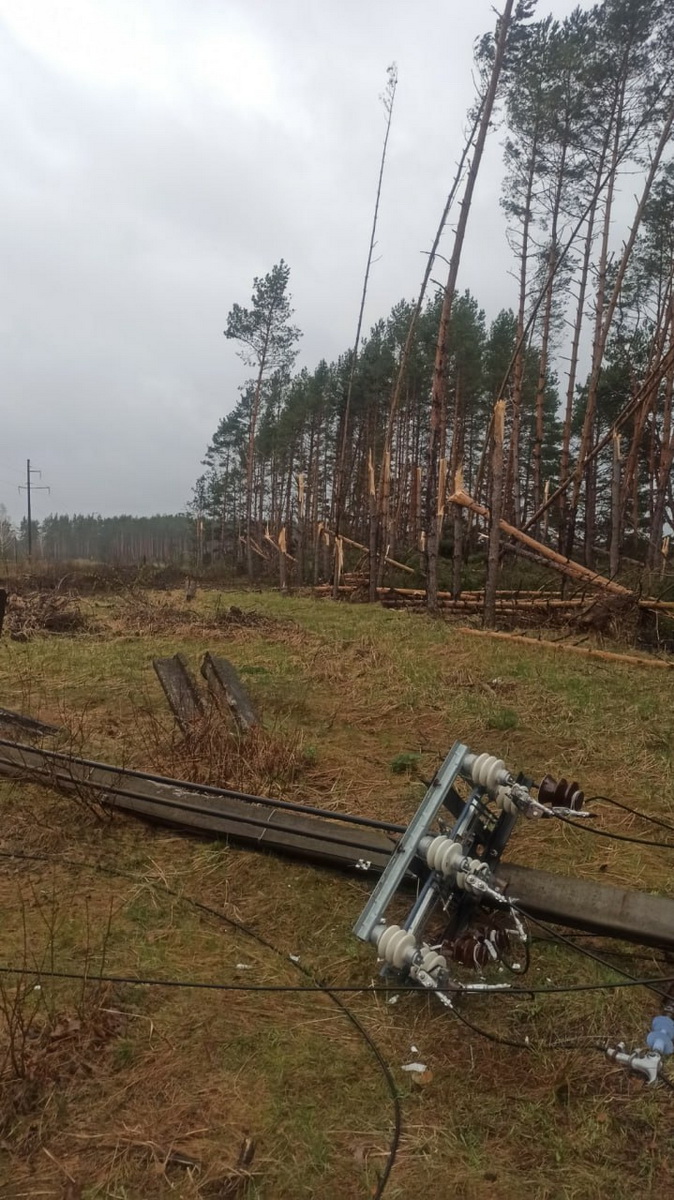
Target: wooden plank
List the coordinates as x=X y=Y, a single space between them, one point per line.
x=228 y=690
x=180 y=688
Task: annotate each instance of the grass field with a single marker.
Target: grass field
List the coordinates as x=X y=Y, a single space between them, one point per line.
x=136 y=1093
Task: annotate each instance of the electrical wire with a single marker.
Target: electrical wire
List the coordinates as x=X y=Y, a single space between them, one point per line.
x=498 y=1040
x=634 y=812
x=262 y=941
x=560 y=937
x=616 y=837
x=590 y=1041
x=321 y=987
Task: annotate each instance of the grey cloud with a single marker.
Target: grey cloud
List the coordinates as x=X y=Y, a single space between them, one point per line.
x=133 y=218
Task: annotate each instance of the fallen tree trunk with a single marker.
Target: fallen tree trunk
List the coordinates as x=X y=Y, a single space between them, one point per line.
x=359 y=546
x=566 y=565
x=585 y=651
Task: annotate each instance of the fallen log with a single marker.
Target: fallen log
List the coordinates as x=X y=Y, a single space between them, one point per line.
x=566 y=565
x=317 y=836
x=360 y=546
x=585 y=651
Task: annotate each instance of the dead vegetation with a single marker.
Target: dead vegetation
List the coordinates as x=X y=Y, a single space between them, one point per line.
x=45 y=612
x=144 y=614
x=262 y=761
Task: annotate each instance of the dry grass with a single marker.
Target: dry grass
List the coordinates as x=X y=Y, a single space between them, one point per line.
x=161 y=1102
x=213 y=751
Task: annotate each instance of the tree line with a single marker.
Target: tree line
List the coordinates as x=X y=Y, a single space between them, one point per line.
x=370 y=448
x=123 y=540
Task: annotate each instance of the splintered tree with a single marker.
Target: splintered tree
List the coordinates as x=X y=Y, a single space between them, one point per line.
x=388 y=100
x=493 y=53
x=267 y=342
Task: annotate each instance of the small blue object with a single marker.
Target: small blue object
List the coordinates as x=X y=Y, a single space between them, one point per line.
x=661 y=1037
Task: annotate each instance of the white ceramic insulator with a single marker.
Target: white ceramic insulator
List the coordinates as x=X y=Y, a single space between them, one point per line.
x=506 y=802
x=488 y=772
x=396 y=945
x=474 y=867
x=431 y=961
x=444 y=855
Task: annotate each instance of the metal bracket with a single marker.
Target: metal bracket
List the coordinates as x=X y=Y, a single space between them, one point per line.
x=406 y=850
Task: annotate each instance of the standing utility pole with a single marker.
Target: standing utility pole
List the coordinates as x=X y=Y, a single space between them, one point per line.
x=27 y=488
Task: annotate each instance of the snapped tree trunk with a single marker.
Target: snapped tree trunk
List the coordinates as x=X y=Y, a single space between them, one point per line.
x=614 y=554
x=439 y=390
x=498 y=425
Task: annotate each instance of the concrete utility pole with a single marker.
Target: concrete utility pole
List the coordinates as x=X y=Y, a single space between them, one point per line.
x=27 y=488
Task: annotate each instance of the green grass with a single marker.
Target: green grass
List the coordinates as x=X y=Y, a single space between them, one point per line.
x=366 y=688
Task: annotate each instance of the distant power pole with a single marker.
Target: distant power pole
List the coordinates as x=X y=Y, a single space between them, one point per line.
x=27 y=488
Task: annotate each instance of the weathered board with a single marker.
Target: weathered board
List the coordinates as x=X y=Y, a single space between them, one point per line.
x=228 y=691
x=180 y=688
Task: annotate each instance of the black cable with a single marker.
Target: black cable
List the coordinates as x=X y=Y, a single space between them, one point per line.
x=627 y=981
x=318 y=987
x=501 y=1041
x=560 y=937
x=616 y=837
x=634 y=812
x=262 y=941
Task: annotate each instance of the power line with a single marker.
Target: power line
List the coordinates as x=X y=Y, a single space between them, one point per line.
x=94 y=977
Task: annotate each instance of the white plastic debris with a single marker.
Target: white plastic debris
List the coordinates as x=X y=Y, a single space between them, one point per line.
x=413 y=1050
x=244 y=967
x=393 y=999
x=416 y=1067
x=295 y=958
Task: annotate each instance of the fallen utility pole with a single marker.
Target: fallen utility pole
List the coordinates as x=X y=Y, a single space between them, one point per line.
x=355 y=844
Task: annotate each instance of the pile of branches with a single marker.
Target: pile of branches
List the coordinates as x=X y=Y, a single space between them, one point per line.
x=54 y=612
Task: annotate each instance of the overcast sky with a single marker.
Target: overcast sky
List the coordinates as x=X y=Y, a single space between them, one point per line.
x=155 y=155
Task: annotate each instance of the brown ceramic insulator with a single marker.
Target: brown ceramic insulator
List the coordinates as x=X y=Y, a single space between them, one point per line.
x=471 y=950
x=560 y=794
